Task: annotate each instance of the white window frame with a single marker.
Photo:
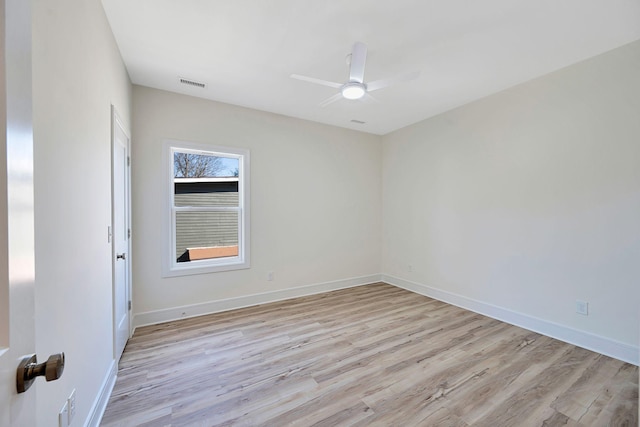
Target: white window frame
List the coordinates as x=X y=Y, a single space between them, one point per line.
x=170 y=266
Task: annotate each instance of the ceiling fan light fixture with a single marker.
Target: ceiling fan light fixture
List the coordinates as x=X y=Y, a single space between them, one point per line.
x=353 y=90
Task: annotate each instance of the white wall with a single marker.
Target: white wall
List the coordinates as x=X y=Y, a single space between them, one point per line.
x=526 y=201
x=315 y=203
x=77 y=75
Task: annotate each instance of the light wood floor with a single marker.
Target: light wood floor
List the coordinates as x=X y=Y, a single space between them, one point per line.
x=374 y=355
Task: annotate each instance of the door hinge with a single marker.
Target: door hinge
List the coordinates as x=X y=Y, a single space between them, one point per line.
x=129 y=305
x=128 y=233
x=128 y=161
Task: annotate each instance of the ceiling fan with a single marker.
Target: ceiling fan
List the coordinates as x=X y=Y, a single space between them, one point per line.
x=355 y=87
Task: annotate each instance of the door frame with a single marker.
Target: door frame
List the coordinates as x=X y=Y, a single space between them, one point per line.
x=116 y=121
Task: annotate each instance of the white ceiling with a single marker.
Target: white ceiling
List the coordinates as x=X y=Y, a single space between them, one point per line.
x=245 y=50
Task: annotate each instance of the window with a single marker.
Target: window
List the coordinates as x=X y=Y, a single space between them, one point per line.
x=207 y=217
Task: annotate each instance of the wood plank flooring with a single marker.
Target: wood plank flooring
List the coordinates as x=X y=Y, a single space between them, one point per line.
x=373 y=355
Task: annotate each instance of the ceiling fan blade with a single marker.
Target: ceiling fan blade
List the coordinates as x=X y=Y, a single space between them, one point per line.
x=316 y=81
x=334 y=98
x=367 y=97
x=381 y=84
x=358 y=59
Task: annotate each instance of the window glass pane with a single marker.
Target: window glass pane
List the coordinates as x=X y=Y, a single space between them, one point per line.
x=206 y=192
x=202 y=165
x=202 y=179
x=206 y=235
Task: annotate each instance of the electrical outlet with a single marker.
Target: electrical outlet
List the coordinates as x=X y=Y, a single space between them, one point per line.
x=71 y=403
x=63 y=415
x=270 y=276
x=582 y=307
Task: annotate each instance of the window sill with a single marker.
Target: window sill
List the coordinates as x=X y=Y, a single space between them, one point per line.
x=197 y=267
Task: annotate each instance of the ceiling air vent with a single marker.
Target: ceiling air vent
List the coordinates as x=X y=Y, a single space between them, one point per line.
x=360 y=122
x=191 y=83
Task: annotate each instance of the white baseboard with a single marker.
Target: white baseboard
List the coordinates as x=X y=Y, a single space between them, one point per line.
x=100 y=403
x=606 y=346
x=183 y=312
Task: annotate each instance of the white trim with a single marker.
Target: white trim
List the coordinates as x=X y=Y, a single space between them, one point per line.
x=597 y=343
x=217 y=179
x=100 y=403
x=116 y=122
x=175 y=313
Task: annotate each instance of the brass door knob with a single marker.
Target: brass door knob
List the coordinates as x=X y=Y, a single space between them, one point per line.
x=29 y=370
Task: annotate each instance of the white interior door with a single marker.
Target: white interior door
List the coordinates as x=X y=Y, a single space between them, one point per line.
x=17 y=326
x=120 y=236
